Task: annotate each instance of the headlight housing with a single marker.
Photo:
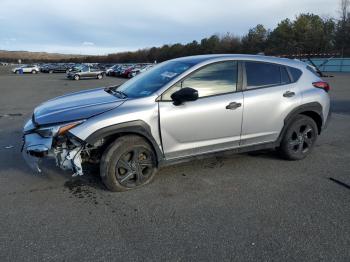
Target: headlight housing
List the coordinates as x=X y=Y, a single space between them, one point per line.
x=58 y=129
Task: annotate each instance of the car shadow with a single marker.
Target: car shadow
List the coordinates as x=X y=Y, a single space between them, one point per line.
x=267 y=154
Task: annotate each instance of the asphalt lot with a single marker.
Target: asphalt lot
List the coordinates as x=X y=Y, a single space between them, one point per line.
x=248 y=207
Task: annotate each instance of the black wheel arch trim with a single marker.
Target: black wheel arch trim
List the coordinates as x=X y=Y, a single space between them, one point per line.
x=313 y=107
x=137 y=127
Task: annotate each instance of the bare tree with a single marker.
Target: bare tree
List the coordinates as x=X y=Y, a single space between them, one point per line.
x=344 y=9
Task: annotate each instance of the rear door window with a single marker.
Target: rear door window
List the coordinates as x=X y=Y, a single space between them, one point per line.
x=262 y=74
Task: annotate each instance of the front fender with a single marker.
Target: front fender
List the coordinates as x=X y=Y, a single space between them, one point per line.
x=137 y=127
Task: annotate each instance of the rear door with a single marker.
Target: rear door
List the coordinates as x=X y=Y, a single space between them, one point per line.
x=27 y=69
x=209 y=123
x=269 y=95
x=93 y=72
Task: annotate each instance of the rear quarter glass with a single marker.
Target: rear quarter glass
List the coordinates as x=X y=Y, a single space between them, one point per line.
x=295 y=73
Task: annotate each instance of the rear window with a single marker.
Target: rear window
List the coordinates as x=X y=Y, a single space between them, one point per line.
x=265 y=74
x=295 y=73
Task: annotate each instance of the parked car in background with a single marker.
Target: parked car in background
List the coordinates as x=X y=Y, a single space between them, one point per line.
x=139 y=70
x=117 y=71
x=179 y=110
x=74 y=67
x=55 y=68
x=33 y=69
x=126 y=72
x=103 y=66
x=42 y=65
x=111 y=69
x=86 y=72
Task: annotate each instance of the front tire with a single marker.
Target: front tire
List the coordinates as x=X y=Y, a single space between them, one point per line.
x=99 y=76
x=34 y=72
x=299 y=139
x=128 y=163
x=76 y=77
x=50 y=71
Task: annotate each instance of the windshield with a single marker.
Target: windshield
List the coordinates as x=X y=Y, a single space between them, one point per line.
x=152 y=80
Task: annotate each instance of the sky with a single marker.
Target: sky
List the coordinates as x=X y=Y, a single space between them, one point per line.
x=110 y=26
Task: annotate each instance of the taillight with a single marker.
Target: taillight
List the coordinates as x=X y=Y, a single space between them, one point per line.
x=322 y=84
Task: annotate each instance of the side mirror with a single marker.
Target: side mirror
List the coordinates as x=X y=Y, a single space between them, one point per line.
x=184 y=95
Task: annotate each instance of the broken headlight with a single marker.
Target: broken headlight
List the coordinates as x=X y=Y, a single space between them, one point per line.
x=57 y=130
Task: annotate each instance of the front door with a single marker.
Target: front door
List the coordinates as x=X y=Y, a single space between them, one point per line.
x=211 y=123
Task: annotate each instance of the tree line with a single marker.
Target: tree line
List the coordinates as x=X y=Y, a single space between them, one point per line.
x=306 y=34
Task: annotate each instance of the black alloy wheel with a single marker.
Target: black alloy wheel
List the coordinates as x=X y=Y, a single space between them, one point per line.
x=128 y=163
x=299 y=138
x=134 y=167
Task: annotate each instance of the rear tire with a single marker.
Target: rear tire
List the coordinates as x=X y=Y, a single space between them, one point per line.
x=50 y=71
x=76 y=77
x=99 y=76
x=299 y=139
x=128 y=163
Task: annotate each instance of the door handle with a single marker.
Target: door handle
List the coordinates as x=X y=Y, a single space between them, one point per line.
x=233 y=105
x=289 y=94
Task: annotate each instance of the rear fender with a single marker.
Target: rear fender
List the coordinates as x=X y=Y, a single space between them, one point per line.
x=313 y=107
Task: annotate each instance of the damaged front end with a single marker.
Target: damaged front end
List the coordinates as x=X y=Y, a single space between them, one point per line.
x=53 y=141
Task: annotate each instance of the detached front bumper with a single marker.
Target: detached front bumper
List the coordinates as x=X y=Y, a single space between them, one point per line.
x=34 y=149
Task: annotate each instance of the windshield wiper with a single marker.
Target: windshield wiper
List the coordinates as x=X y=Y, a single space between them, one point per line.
x=120 y=93
x=113 y=90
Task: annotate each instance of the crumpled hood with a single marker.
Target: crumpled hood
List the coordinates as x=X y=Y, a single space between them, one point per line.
x=75 y=106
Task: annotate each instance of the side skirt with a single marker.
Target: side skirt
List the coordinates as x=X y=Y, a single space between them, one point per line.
x=174 y=161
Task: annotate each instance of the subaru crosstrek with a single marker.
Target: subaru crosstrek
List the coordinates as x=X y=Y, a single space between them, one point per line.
x=180 y=109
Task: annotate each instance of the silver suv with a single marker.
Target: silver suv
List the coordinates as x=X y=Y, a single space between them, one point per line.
x=180 y=109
